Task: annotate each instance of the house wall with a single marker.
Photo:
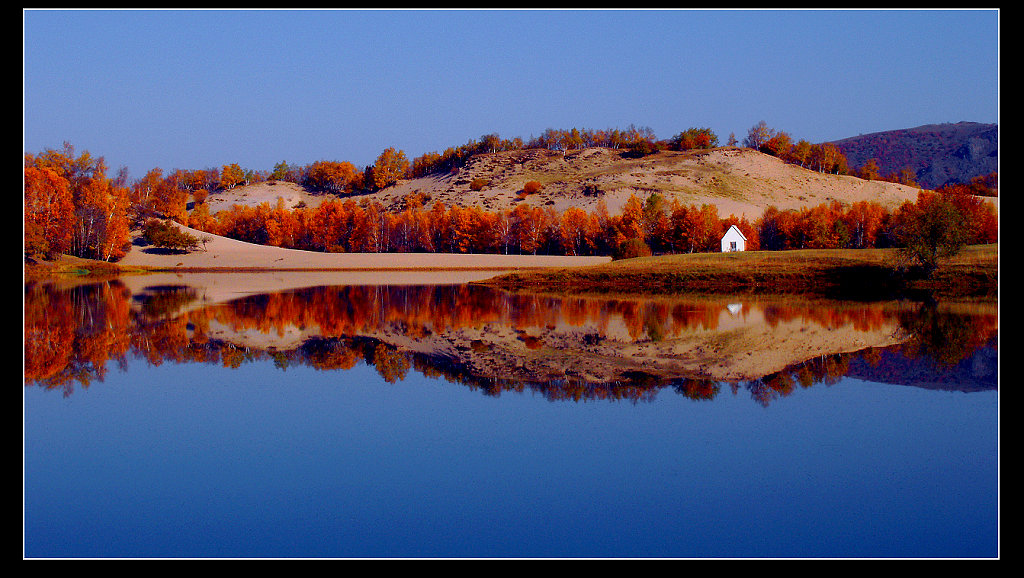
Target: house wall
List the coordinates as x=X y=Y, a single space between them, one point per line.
x=733 y=236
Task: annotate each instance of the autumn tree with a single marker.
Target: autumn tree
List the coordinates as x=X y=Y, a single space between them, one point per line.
x=574 y=227
x=49 y=212
x=981 y=221
x=904 y=176
x=778 y=145
x=99 y=227
x=231 y=176
x=827 y=158
x=694 y=138
x=695 y=229
x=657 y=226
x=287 y=172
x=779 y=230
x=801 y=153
x=631 y=221
x=460 y=230
x=143 y=194
x=870 y=170
x=326 y=224
x=390 y=166
x=757 y=135
x=930 y=229
x=378 y=227
x=527 y=227
x=532 y=187
x=332 y=177
x=864 y=221
x=503 y=230
x=201 y=219
x=986 y=185
x=282 y=226
x=825 y=226
x=170 y=199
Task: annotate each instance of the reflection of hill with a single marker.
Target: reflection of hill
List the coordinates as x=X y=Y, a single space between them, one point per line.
x=565 y=347
x=975 y=372
x=539 y=338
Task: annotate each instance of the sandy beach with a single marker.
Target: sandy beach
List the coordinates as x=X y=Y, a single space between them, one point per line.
x=222 y=254
x=227 y=268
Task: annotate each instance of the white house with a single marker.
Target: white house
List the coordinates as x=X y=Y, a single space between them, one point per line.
x=733 y=240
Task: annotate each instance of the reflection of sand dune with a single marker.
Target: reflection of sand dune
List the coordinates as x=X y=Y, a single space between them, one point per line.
x=743 y=351
x=212 y=287
x=587 y=339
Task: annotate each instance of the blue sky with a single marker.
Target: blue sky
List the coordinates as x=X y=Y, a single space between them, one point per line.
x=204 y=88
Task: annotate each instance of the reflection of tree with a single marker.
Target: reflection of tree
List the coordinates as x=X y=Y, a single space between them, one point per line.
x=770 y=387
x=49 y=338
x=165 y=301
x=330 y=353
x=391 y=363
x=827 y=369
x=71 y=335
x=698 y=389
x=944 y=337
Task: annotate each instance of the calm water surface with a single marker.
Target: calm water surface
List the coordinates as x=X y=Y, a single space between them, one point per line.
x=457 y=421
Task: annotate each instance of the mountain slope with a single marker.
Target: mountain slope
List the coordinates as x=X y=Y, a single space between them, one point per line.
x=938 y=154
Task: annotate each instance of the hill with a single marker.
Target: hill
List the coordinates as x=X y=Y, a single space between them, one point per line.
x=938 y=154
x=738 y=181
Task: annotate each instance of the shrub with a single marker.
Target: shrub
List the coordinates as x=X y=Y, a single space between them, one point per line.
x=532 y=187
x=631 y=248
x=478 y=184
x=164 y=235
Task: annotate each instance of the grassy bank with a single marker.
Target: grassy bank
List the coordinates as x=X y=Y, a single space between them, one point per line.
x=70 y=268
x=862 y=273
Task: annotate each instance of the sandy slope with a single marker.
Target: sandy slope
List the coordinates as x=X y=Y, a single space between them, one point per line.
x=738 y=181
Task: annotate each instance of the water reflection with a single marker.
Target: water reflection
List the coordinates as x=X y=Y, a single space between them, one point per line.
x=565 y=348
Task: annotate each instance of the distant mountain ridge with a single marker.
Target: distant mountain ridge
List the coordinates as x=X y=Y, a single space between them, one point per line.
x=938 y=154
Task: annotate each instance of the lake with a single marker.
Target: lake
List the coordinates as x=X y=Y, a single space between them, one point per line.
x=169 y=420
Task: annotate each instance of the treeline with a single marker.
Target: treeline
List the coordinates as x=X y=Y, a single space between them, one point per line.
x=392 y=164
x=643 y=227
x=347 y=226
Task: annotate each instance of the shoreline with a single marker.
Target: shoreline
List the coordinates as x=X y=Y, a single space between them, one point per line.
x=847 y=273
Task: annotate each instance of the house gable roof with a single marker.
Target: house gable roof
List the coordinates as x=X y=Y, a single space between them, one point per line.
x=744 y=237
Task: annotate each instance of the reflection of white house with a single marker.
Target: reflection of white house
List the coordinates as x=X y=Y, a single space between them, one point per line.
x=733 y=240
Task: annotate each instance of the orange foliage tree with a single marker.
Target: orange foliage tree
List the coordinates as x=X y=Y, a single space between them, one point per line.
x=49 y=212
x=390 y=166
x=99 y=206
x=333 y=177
